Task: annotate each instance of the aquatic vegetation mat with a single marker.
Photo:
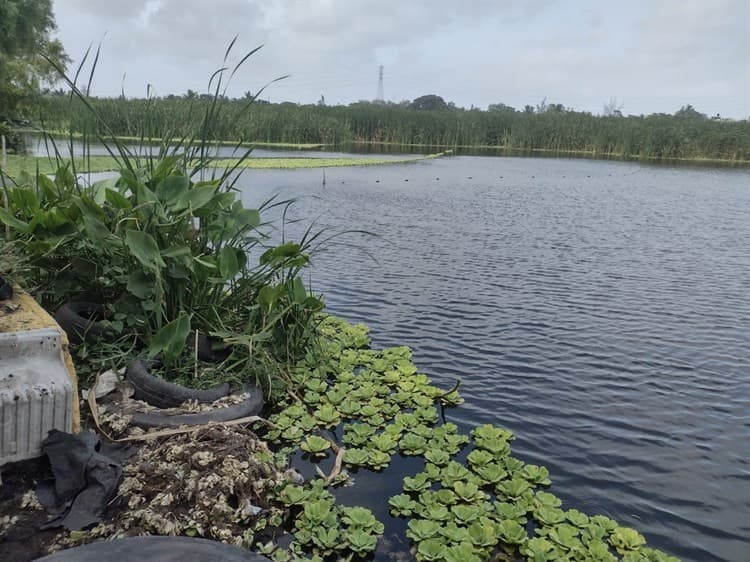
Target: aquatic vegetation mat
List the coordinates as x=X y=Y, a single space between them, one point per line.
x=93 y=164
x=492 y=506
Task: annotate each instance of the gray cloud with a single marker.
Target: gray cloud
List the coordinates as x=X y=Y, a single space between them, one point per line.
x=655 y=56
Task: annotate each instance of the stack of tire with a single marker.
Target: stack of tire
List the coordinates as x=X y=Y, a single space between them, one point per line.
x=82 y=322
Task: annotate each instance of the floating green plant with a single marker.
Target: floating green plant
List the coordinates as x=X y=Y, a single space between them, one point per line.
x=316 y=446
x=94 y=163
x=492 y=505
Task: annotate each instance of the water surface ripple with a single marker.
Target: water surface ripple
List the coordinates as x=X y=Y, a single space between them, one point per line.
x=600 y=310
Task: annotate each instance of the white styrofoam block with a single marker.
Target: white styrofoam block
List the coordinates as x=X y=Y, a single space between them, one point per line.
x=36 y=393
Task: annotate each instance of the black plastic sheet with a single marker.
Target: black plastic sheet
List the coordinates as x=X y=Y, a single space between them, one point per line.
x=84 y=479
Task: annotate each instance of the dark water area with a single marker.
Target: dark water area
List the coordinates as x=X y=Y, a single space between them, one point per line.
x=600 y=310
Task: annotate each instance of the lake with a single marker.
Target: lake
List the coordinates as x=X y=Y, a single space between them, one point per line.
x=599 y=309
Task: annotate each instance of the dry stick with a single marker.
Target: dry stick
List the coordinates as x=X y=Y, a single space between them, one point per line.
x=195 y=374
x=336 y=466
x=454 y=389
x=337 y=463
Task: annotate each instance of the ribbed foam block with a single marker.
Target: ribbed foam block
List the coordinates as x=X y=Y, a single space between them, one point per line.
x=36 y=393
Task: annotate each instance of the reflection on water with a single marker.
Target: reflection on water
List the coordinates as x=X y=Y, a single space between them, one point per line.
x=600 y=310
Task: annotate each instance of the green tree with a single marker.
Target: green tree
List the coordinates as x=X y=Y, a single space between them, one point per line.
x=689 y=112
x=25 y=28
x=501 y=107
x=429 y=102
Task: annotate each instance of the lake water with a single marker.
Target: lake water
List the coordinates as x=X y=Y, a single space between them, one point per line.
x=600 y=310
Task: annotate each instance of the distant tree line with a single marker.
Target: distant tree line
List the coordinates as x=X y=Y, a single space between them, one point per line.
x=427 y=120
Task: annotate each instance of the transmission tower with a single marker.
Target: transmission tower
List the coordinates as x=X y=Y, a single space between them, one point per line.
x=380 y=85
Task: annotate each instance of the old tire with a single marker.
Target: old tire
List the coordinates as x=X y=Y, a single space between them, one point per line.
x=165 y=394
x=205 y=348
x=80 y=321
x=251 y=406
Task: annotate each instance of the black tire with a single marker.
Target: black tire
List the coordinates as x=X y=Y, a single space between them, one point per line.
x=163 y=549
x=79 y=319
x=6 y=290
x=251 y=406
x=165 y=394
x=205 y=348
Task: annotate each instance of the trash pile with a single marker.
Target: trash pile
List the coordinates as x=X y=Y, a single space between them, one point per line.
x=209 y=478
x=213 y=483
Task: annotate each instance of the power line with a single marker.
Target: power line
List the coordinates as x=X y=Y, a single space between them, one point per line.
x=380 y=96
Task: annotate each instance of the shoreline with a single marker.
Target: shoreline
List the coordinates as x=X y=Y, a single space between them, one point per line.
x=511 y=151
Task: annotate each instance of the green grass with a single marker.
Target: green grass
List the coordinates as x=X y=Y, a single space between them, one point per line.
x=658 y=136
x=30 y=164
x=61 y=134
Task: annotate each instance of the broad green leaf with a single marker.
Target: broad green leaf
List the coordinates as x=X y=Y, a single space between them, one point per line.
x=13 y=222
x=170 y=340
x=195 y=198
x=166 y=165
x=229 y=264
x=247 y=218
x=103 y=185
x=99 y=190
x=144 y=196
x=96 y=229
x=25 y=200
x=176 y=252
x=47 y=187
x=117 y=199
x=280 y=252
x=300 y=293
x=171 y=190
x=209 y=262
x=144 y=248
x=140 y=284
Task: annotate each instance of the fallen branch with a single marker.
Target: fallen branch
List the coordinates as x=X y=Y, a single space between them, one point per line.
x=336 y=466
x=454 y=389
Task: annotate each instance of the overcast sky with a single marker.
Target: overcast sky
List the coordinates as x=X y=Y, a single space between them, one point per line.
x=651 y=55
